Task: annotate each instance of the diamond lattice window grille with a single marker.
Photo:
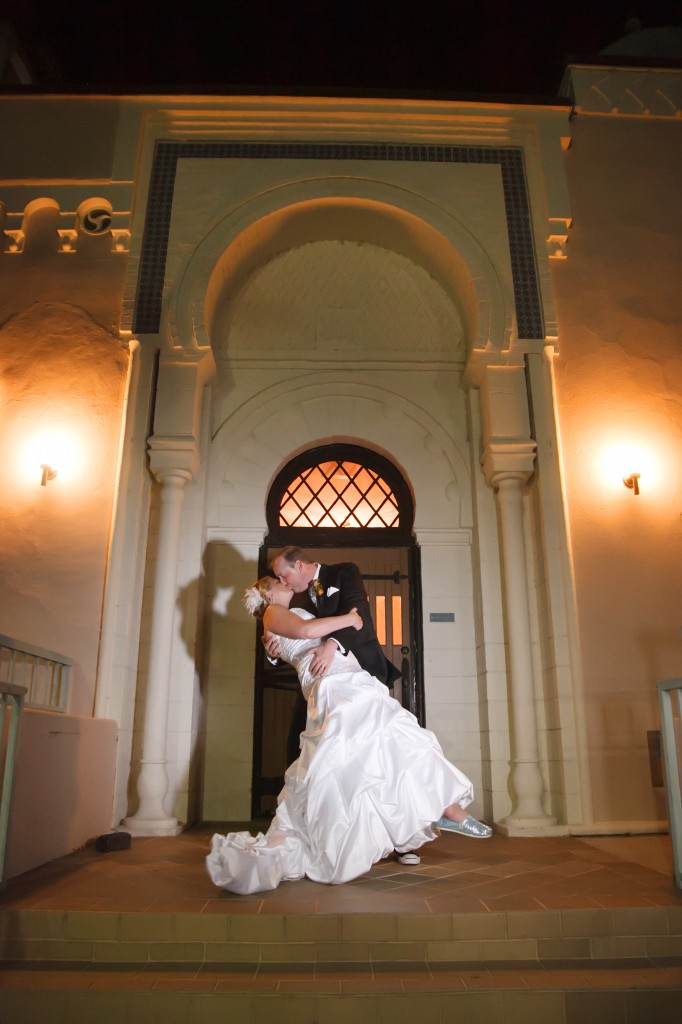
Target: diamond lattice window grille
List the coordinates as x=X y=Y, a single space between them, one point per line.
x=339 y=493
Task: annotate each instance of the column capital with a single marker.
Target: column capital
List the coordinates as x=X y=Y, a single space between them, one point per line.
x=510 y=460
x=173 y=456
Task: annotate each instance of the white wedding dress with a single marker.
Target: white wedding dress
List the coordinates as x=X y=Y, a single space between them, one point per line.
x=368 y=780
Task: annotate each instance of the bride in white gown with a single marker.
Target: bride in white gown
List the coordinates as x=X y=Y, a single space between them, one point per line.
x=368 y=779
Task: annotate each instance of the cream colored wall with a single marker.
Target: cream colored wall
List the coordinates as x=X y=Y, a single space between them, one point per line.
x=619 y=381
x=63 y=370
x=63 y=376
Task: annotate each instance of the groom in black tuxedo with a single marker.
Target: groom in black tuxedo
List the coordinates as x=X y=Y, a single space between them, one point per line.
x=334 y=590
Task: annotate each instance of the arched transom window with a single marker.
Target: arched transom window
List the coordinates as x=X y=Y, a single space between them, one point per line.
x=339 y=493
x=325 y=491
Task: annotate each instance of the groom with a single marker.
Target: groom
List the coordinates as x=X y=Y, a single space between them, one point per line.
x=334 y=590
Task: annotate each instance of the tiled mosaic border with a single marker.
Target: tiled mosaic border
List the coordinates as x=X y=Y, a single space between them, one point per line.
x=157 y=225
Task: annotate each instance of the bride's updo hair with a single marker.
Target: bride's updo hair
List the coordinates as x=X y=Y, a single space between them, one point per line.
x=255 y=598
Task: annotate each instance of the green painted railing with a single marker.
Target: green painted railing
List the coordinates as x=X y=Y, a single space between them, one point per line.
x=11 y=700
x=45 y=674
x=670 y=697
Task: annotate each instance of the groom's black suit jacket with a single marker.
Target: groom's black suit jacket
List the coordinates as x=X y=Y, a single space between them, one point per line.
x=349 y=592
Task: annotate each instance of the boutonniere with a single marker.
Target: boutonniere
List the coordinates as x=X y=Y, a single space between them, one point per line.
x=318 y=588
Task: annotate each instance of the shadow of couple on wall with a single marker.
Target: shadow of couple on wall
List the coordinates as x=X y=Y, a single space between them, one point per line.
x=218 y=635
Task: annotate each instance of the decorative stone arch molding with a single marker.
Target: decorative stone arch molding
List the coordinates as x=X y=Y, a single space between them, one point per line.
x=251 y=447
x=349 y=210
x=152 y=279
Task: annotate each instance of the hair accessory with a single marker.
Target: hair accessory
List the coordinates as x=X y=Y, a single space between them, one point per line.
x=253 y=600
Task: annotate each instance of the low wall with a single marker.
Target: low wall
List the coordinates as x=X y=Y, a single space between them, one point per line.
x=63 y=787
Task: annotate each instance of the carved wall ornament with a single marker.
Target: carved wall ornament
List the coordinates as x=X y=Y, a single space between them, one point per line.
x=42 y=225
x=95 y=216
x=625 y=91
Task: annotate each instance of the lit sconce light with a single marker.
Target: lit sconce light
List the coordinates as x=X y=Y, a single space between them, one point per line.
x=616 y=459
x=632 y=482
x=48 y=474
x=57 y=451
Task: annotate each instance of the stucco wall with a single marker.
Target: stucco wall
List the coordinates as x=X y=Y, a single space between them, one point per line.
x=63 y=378
x=619 y=382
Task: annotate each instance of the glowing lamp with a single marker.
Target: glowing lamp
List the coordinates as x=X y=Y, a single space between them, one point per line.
x=632 y=482
x=56 y=452
x=48 y=473
x=628 y=463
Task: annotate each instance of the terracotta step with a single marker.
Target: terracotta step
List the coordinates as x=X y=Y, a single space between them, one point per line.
x=648 y=935
x=301 y=995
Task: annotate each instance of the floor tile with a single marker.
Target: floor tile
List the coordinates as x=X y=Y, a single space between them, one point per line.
x=166 y=876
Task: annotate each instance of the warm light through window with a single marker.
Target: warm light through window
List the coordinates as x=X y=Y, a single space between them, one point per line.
x=339 y=494
x=380 y=617
x=397 y=619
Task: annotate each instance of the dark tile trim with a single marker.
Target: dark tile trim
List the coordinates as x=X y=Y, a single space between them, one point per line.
x=147 y=314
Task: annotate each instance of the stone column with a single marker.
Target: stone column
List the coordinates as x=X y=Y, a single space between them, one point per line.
x=173 y=459
x=508 y=462
x=151 y=817
x=526 y=777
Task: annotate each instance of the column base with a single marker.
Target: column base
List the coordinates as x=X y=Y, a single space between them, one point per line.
x=153 y=826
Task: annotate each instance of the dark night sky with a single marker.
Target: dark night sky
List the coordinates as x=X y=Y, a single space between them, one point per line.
x=435 y=47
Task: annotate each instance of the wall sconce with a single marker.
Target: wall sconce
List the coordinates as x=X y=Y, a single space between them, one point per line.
x=632 y=482
x=48 y=473
x=615 y=459
x=57 y=450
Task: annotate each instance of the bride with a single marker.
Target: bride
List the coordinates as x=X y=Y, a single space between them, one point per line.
x=368 y=779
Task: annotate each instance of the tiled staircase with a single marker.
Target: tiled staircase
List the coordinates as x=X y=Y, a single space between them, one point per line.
x=115 y=939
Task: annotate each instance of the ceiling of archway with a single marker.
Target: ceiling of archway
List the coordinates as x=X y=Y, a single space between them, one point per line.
x=340 y=298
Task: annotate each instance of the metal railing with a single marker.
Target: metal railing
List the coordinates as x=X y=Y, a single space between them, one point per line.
x=44 y=674
x=670 y=697
x=11 y=698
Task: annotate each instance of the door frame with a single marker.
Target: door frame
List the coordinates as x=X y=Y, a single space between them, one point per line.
x=335 y=540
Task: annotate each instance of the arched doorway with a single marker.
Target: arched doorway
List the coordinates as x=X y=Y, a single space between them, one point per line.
x=340 y=502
